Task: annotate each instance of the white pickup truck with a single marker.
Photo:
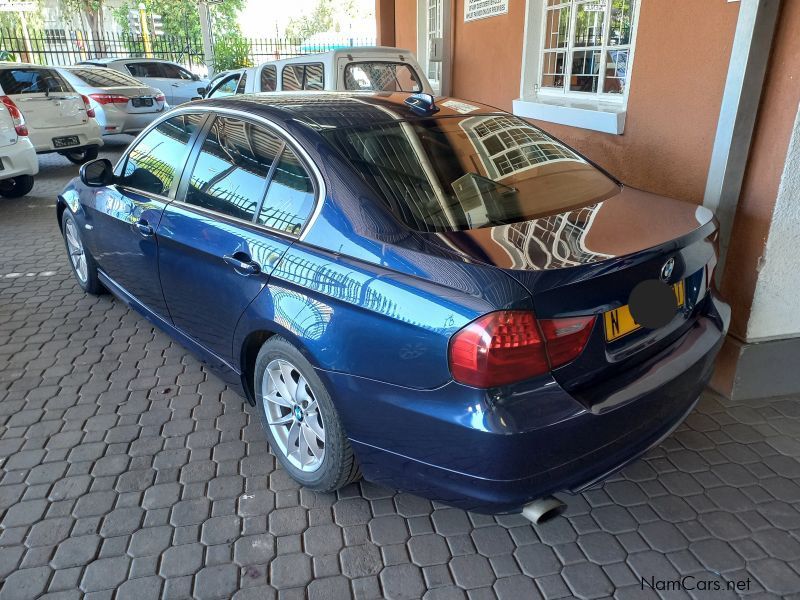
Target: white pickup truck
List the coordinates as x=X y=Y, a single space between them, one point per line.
x=368 y=68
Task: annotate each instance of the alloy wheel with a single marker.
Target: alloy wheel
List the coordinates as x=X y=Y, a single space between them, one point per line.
x=293 y=415
x=76 y=252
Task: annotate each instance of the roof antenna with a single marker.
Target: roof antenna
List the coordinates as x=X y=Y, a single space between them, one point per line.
x=422 y=103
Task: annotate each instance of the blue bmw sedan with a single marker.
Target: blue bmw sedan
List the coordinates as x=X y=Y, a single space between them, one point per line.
x=434 y=294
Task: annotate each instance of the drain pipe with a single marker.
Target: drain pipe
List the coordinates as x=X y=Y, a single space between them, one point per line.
x=542 y=510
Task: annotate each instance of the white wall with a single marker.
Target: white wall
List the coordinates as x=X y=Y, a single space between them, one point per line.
x=776 y=305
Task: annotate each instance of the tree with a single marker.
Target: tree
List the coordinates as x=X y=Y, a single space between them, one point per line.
x=92 y=11
x=328 y=15
x=181 y=18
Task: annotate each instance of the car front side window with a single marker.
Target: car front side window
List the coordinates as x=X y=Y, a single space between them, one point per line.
x=230 y=174
x=154 y=165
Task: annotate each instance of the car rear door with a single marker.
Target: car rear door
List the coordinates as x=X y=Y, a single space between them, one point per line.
x=48 y=103
x=219 y=245
x=151 y=73
x=123 y=218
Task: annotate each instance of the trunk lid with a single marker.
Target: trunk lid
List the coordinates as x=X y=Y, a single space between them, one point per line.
x=142 y=96
x=587 y=261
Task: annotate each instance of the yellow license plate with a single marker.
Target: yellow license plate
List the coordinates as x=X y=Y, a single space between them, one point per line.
x=619 y=321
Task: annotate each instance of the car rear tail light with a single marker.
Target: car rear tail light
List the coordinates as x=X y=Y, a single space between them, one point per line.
x=109 y=99
x=566 y=338
x=161 y=98
x=16 y=115
x=508 y=346
x=88 y=106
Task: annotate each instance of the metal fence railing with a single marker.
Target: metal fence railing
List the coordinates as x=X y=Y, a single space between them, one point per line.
x=56 y=47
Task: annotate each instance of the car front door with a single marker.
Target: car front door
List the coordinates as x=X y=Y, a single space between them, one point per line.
x=124 y=217
x=184 y=85
x=218 y=246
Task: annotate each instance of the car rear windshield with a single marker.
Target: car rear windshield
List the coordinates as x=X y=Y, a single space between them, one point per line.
x=457 y=173
x=105 y=78
x=381 y=77
x=32 y=81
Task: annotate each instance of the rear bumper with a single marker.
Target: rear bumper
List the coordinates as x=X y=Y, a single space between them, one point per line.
x=495 y=451
x=19 y=159
x=113 y=121
x=88 y=135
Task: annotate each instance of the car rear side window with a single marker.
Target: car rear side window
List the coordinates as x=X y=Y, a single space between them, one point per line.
x=381 y=76
x=290 y=196
x=154 y=165
x=32 y=81
x=105 y=77
x=269 y=79
x=303 y=77
x=231 y=171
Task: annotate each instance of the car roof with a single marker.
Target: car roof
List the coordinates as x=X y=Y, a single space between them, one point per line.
x=326 y=110
x=113 y=59
x=23 y=65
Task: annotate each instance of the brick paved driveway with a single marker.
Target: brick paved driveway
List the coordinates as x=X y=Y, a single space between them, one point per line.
x=127 y=471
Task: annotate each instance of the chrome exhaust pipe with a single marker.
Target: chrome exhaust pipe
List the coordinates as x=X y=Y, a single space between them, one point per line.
x=542 y=510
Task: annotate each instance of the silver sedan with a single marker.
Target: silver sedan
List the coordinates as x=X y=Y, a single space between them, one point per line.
x=121 y=103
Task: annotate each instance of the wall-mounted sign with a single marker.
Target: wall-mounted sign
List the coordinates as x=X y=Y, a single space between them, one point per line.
x=481 y=9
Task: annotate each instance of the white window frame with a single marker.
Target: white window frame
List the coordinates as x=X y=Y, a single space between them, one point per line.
x=599 y=111
x=424 y=37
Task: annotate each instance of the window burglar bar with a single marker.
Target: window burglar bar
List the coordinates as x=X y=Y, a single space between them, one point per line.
x=586 y=47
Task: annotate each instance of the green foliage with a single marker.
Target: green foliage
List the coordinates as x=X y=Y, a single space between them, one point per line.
x=231 y=52
x=328 y=15
x=6 y=56
x=181 y=18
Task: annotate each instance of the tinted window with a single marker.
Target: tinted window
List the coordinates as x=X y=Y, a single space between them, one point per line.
x=104 y=77
x=32 y=81
x=242 y=83
x=226 y=87
x=175 y=72
x=381 y=76
x=231 y=171
x=155 y=163
x=145 y=69
x=470 y=172
x=269 y=79
x=290 y=196
x=303 y=77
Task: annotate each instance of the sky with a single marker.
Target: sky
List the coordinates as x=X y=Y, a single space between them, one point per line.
x=268 y=18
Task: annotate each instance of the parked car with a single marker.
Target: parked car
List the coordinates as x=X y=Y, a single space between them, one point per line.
x=357 y=69
x=18 y=160
x=121 y=103
x=58 y=118
x=178 y=83
x=440 y=296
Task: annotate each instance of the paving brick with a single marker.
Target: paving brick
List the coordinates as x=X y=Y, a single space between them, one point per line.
x=121 y=453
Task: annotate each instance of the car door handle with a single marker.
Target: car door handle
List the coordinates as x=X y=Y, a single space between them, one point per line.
x=247 y=267
x=144 y=228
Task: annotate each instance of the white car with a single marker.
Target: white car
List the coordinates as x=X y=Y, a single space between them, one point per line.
x=364 y=68
x=18 y=160
x=178 y=83
x=58 y=118
x=121 y=103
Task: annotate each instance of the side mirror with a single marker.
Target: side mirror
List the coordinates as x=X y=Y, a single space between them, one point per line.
x=195 y=77
x=97 y=173
x=202 y=91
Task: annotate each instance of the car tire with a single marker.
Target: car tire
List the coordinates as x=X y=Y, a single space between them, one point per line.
x=308 y=412
x=82 y=155
x=16 y=187
x=84 y=268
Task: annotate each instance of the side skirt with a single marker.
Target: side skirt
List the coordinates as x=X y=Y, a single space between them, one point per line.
x=226 y=371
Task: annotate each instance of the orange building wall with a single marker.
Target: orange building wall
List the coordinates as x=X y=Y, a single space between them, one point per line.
x=679 y=71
